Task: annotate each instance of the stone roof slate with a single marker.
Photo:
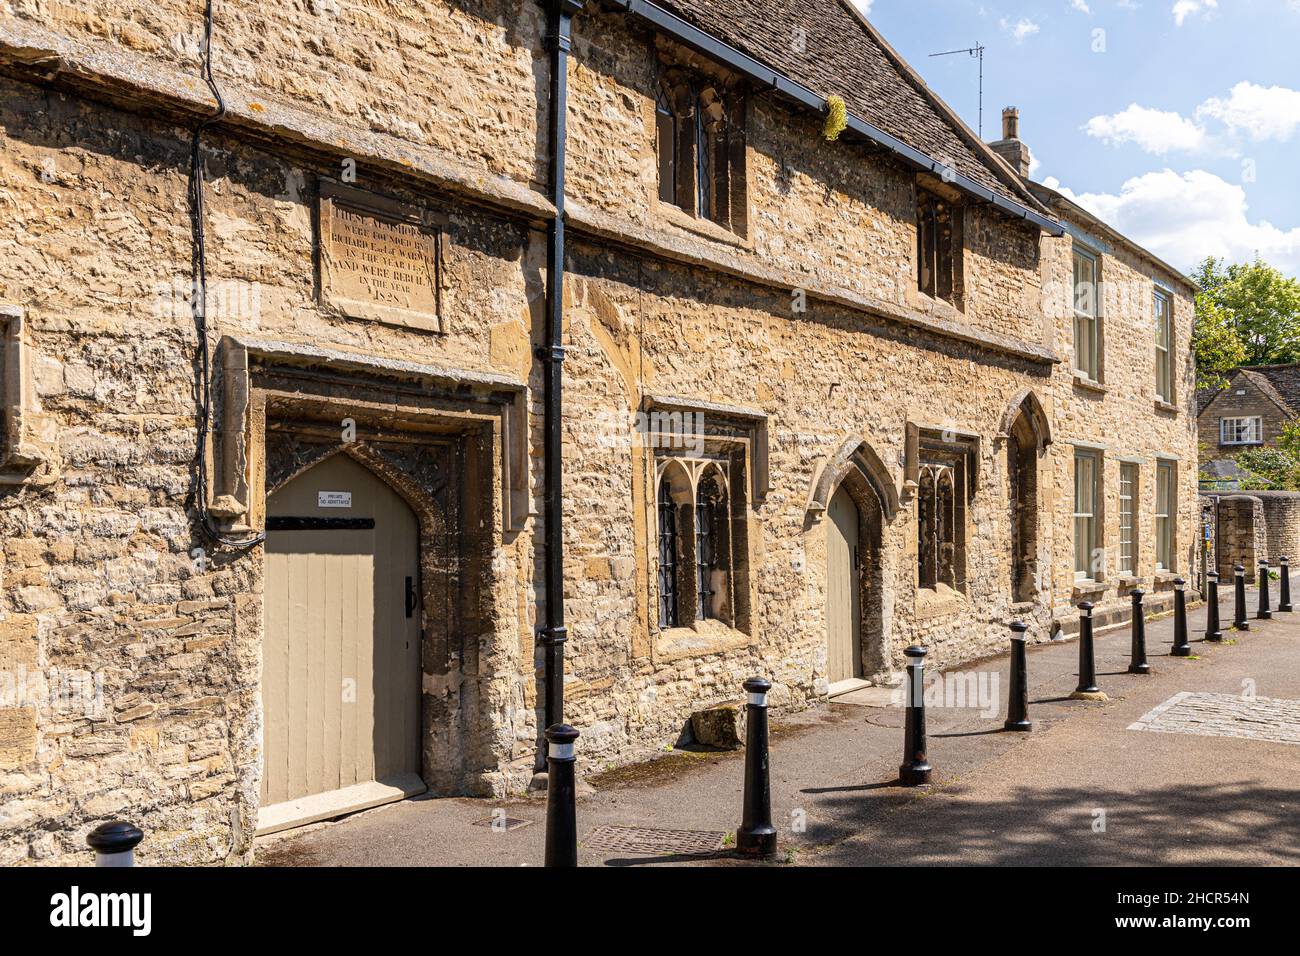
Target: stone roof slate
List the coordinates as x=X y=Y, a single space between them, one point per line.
x=1280 y=383
x=842 y=54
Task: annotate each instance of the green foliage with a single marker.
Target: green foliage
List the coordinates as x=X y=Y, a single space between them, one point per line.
x=1254 y=302
x=1269 y=469
x=1215 y=343
x=837 y=118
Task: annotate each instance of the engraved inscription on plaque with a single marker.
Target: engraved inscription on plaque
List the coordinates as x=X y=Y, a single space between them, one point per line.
x=378 y=259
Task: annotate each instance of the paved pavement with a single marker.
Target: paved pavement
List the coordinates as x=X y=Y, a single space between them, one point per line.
x=1211 y=778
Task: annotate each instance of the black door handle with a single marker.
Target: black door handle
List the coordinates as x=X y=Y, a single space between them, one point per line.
x=411 y=600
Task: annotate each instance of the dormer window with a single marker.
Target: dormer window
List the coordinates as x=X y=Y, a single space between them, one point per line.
x=700 y=148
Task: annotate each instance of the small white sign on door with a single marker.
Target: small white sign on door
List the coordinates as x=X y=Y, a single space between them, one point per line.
x=334 y=499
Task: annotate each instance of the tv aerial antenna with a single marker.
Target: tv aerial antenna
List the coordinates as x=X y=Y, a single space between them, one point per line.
x=977 y=52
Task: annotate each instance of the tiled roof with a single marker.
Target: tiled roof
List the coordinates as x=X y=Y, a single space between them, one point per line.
x=828 y=48
x=1281 y=382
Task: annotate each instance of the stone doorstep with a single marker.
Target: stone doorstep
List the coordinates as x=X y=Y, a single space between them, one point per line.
x=336 y=803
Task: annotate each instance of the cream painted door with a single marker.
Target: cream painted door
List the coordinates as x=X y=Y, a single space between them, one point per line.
x=843 y=594
x=341 y=659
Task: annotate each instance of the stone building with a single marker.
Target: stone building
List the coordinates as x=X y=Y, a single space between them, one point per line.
x=298 y=542
x=1249 y=411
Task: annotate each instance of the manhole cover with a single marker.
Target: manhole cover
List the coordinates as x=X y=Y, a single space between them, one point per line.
x=502 y=824
x=1225 y=715
x=644 y=840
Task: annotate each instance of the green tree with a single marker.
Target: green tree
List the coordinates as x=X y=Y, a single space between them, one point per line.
x=1268 y=469
x=1215 y=343
x=1257 y=303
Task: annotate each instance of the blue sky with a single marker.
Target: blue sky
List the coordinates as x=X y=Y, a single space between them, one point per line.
x=1177 y=121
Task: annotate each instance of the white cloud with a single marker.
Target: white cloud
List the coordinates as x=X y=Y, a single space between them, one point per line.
x=1155 y=131
x=1260 y=112
x=1020 y=29
x=1082 y=6
x=1183 y=218
x=1186 y=8
x=864 y=6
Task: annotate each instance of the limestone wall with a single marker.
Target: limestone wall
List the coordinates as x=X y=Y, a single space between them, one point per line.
x=100 y=575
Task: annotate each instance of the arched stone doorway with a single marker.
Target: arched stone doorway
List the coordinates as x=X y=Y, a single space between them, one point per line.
x=1028 y=434
x=342 y=645
x=856 y=496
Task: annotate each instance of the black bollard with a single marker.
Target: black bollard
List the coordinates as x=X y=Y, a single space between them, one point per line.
x=1181 y=646
x=915 y=769
x=1018 y=695
x=1284 y=601
x=114 y=843
x=1265 y=611
x=1138 y=664
x=756 y=836
x=1239 y=599
x=1212 y=632
x=561 y=797
x=1087 y=689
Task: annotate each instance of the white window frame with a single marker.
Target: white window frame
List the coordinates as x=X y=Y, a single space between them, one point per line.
x=1087 y=312
x=1254 y=424
x=1129 y=476
x=1165 y=513
x=1090 y=515
x=1164 y=313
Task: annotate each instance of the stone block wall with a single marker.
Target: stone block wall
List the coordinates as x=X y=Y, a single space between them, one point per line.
x=100 y=576
x=1242 y=535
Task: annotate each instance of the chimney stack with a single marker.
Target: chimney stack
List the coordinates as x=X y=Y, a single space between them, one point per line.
x=1009 y=147
x=1011 y=123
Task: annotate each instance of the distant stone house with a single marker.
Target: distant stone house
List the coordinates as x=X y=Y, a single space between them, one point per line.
x=448 y=452
x=1250 y=411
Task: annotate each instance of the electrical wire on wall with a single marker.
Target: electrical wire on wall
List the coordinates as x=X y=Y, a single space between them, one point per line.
x=199 y=300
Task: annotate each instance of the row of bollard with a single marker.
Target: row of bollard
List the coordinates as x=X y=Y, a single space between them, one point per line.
x=114 y=843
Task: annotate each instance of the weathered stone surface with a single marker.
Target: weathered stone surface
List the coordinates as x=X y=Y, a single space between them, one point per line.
x=721 y=726
x=107 y=572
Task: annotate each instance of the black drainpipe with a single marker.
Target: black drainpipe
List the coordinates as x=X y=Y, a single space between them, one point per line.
x=559 y=36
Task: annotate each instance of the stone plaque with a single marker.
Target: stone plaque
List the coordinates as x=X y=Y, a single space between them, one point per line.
x=378 y=259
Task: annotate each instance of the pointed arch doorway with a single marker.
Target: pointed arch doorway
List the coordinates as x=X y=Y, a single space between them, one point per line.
x=843 y=590
x=341 y=658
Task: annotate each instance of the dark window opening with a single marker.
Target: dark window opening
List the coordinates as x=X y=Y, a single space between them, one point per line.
x=700 y=147
x=667 y=557
x=939 y=247
x=710 y=523
x=666 y=145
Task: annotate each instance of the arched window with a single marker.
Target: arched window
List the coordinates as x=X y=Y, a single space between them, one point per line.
x=927 y=542
x=945 y=524
x=710 y=527
x=667 y=557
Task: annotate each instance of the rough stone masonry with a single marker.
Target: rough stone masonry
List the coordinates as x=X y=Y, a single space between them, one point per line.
x=819 y=405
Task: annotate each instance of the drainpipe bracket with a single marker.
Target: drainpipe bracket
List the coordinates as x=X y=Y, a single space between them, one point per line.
x=552 y=636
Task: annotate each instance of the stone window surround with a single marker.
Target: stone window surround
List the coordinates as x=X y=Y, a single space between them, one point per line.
x=929 y=186
x=930 y=601
x=1170 y=518
x=1084 y=377
x=1165 y=356
x=677 y=73
x=1097 y=579
x=19 y=458
x=745 y=440
x=466 y=396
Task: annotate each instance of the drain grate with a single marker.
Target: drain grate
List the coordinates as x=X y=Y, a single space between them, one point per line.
x=645 y=840
x=503 y=824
